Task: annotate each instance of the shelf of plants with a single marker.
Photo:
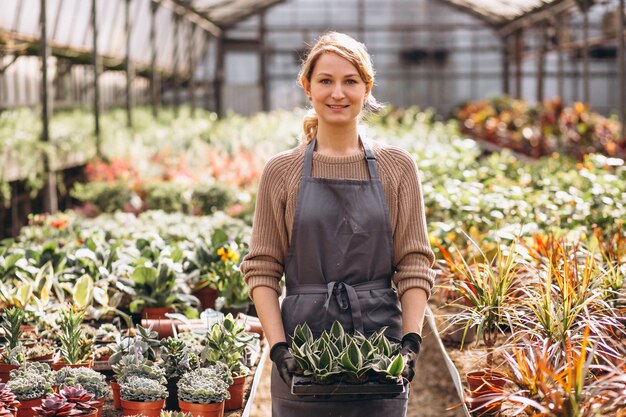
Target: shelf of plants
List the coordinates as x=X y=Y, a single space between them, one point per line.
x=531 y=254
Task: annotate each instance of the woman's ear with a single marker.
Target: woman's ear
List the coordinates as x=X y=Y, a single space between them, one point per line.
x=306 y=86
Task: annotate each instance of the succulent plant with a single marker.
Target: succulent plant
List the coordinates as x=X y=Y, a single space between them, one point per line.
x=55 y=406
x=41 y=349
x=5 y=412
x=203 y=386
x=35 y=368
x=7 y=398
x=107 y=332
x=30 y=386
x=147 y=369
x=177 y=357
x=141 y=389
x=226 y=343
x=77 y=395
x=92 y=381
x=11 y=325
x=352 y=358
x=143 y=344
x=76 y=347
x=174 y=414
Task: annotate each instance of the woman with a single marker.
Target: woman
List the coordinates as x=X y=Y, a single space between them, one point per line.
x=343 y=219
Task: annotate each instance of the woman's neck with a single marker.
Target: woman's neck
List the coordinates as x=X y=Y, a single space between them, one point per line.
x=334 y=141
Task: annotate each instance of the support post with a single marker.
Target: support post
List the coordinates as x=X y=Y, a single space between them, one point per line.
x=560 y=58
x=541 y=62
x=175 y=91
x=51 y=203
x=192 y=69
x=506 y=67
x=519 y=40
x=622 y=68
x=219 y=76
x=585 y=10
x=127 y=65
x=154 y=75
x=96 y=74
x=263 y=82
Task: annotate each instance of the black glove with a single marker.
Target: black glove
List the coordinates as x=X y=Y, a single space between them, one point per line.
x=410 y=349
x=285 y=363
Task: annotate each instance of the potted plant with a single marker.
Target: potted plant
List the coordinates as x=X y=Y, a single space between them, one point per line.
x=12 y=353
x=71 y=400
x=140 y=395
x=226 y=343
x=30 y=383
x=202 y=392
x=178 y=359
x=76 y=347
x=41 y=352
x=91 y=381
x=8 y=402
x=136 y=350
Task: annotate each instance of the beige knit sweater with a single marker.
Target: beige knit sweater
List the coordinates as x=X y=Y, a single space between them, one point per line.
x=276 y=206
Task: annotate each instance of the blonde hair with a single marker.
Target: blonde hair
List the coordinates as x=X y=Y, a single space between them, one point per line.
x=351 y=50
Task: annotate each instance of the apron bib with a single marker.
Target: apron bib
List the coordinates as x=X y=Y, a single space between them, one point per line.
x=339 y=267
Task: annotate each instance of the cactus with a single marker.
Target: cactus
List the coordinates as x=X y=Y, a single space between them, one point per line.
x=137 y=388
x=92 y=381
x=203 y=386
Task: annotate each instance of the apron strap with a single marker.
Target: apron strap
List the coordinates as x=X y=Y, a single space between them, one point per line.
x=337 y=290
x=370 y=157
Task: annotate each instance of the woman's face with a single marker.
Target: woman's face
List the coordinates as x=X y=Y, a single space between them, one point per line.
x=336 y=89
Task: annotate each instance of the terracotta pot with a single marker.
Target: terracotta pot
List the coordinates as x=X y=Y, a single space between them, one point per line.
x=25 y=409
x=5 y=370
x=164 y=327
x=202 y=410
x=115 y=391
x=236 y=394
x=456 y=334
x=99 y=407
x=207 y=297
x=146 y=409
x=60 y=365
x=155 y=312
x=483 y=385
x=252 y=322
x=44 y=358
x=171 y=402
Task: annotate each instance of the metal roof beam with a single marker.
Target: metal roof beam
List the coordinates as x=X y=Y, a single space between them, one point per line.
x=184 y=9
x=555 y=8
x=252 y=9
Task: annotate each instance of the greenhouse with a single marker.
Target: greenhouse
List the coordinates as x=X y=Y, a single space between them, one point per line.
x=153 y=178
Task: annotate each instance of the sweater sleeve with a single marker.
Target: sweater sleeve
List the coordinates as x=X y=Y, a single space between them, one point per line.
x=264 y=263
x=413 y=254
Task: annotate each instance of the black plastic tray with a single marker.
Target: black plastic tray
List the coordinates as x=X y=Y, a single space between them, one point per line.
x=304 y=386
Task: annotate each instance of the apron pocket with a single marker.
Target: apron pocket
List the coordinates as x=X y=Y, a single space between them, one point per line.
x=381 y=308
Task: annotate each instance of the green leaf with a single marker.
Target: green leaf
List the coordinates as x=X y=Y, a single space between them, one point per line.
x=397 y=366
x=326 y=361
x=83 y=291
x=336 y=331
x=144 y=275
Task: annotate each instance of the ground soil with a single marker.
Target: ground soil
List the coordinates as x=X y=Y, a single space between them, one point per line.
x=432 y=391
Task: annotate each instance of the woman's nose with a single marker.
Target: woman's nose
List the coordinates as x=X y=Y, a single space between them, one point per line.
x=338 y=91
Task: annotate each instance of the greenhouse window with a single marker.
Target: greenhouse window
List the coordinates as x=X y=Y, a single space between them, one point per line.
x=419 y=56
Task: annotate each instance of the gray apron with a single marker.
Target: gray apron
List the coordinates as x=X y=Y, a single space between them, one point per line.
x=339 y=267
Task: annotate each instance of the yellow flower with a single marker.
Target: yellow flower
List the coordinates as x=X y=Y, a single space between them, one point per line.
x=227 y=252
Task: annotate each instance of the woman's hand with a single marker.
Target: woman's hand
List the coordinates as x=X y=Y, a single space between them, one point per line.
x=285 y=363
x=411 y=343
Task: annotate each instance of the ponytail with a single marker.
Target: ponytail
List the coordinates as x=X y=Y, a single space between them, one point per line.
x=309 y=126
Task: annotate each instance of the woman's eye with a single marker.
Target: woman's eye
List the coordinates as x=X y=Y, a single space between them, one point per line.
x=351 y=81
x=325 y=81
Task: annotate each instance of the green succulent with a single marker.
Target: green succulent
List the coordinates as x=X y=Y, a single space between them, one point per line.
x=177 y=357
x=32 y=368
x=204 y=386
x=92 y=381
x=226 y=343
x=30 y=386
x=174 y=414
x=76 y=346
x=141 y=389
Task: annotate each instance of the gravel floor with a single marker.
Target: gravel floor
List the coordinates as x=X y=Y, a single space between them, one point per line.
x=432 y=392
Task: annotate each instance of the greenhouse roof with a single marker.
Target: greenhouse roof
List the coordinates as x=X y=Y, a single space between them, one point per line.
x=501 y=12
x=225 y=13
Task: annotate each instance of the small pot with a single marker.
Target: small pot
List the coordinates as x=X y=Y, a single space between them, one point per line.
x=207 y=296
x=60 y=365
x=202 y=410
x=483 y=385
x=25 y=409
x=146 y=409
x=155 y=312
x=115 y=392
x=164 y=327
x=5 y=370
x=236 y=394
x=99 y=406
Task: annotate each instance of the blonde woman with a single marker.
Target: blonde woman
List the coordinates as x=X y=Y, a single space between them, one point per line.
x=343 y=219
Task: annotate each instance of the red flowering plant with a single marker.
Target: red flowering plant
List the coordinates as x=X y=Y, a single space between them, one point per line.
x=70 y=401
